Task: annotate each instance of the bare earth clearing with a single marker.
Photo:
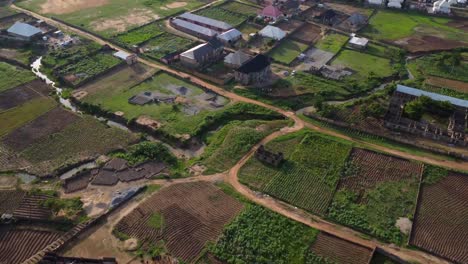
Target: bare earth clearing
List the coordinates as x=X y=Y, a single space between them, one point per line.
x=135 y=17
x=69 y=6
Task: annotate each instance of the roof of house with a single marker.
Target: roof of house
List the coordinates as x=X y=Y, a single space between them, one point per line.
x=358 y=41
x=271 y=11
x=231 y=34
x=433 y=96
x=23 y=29
x=291 y=4
x=257 y=64
x=357 y=19
x=197 y=52
x=215 y=43
x=207 y=21
x=194 y=27
x=272 y=32
x=122 y=55
x=237 y=58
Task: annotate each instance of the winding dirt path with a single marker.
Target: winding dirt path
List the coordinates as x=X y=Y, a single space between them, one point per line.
x=271 y=203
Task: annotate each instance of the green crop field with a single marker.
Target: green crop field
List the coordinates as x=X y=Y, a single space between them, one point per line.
x=234 y=19
x=433 y=65
x=287 y=51
x=20 y=115
x=12 y=76
x=240 y=8
x=309 y=175
x=364 y=63
x=110 y=17
x=332 y=42
x=166 y=43
x=140 y=35
x=227 y=145
x=394 y=25
x=57 y=58
x=259 y=235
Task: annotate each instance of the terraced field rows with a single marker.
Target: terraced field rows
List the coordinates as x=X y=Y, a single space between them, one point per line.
x=338 y=250
x=31 y=208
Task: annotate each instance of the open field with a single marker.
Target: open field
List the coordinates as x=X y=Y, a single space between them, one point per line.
x=181 y=219
x=21 y=94
x=165 y=44
x=441 y=225
x=109 y=17
x=140 y=35
x=240 y=8
x=375 y=192
x=433 y=65
x=309 y=175
x=12 y=76
x=337 y=250
x=364 y=64
x=287 y=51
x=227 y=145
x=332 y=42
x=232 y=18
x=416 y=32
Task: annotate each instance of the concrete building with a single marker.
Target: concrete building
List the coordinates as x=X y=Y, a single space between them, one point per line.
x=194 y=29
x=23 y=31
x=130 y=59
x=203 y=54
x=236 y=59
x=230 y=37
x=357 y=42
x=216 y=25
x=256 y=70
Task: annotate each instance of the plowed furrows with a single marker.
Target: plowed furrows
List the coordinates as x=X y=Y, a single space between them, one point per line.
x=10 y=200
x=441 y=223
x=340 y=251
x=31 y=208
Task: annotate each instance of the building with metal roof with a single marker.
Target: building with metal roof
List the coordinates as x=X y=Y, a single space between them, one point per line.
x=207 y=22
x=202 y=54
x=272 y=32
x=230 y=36
x=357 y=42
x=193 y=29
x=24 y=31
x=433 y=96
x=256 y=70
x=236 y=59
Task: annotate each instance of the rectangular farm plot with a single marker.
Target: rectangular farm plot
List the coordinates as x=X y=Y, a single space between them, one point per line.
x=12 y=76
x=183 y=217
x=240 y=8
x=140 y=35
x=364 y=64
x=377 y=195
x=308 y=34
x=22 y=94
x=332 y=42
x=441 y=222
x=232 y=18
x=287 y=51
x=165 y=44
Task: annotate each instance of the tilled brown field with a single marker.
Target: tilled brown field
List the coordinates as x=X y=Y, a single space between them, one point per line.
x=441 y=221
x=49 y=123
x=429 y=43
x=308 y=34
x=23 y=93
x=10 y=200
x=20 y=243
x=373 y=168
x=193 y=214
x=31 y=208
x=340 y=251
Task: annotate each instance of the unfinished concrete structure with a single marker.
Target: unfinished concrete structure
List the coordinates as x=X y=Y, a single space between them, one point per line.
x=454 y=133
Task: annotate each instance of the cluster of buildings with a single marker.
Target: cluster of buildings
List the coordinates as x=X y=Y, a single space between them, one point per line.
x=279 y=9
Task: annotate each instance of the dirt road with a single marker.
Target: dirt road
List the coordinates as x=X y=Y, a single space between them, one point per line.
x=275 y=205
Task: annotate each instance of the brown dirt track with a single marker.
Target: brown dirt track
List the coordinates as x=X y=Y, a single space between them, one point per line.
x=49 y=123
x=194 y=214
x=441 y=221
x=374 y=168
x=23 y=93
x=428 y=43
x=340 y=251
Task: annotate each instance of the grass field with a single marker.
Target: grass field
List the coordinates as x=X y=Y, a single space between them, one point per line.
x=332 y=42
x=20 y=115
x=234 y=19
x=12 y=76
x=166 y=43
x=428 y=65
x=240 y=8
x=309 y=175
x=227 y=145
x=393 y=25
x=140 y=35
x=364 y=64
x=287 y=51
x=109 y=17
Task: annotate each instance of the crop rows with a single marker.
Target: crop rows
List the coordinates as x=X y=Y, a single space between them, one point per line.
x=140 y=35
x=229 y=17
x=337 y=250
x=368 y=169
x=164 y=44
x=17 y=245
x=193 y=214
x=31 y=208
x=240 y=8
x=10 y=200
x=441 y=222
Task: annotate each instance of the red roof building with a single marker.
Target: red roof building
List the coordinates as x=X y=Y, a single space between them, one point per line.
x=272 y=12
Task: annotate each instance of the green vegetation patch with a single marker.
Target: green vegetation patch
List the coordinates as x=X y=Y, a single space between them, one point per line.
x=394 y=25
x=259 y=235
x=12 y=76
x=364 y=64
x=165 y=44
x=140 y=35
x=232 y=141
x=57 y=58
x=433 y=174
x=156 y=221
x=18 y=116
x=234 y=19
x=145 y=151
x=332 y=42
x=287 y=51
x=450 y=65
x=240 y=8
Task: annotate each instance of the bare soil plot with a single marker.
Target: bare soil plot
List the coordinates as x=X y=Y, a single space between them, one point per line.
x=10 y=200
x=308 y=34
x=338 y=250
x=18 y=96
x=348 y=9
x=290 y=25
x=49 y=123
x=441 y=222
x=372 y=168
x=192 y=214
x=428 y=43
x=120 y=24
x=69 y=6
x=31 y=208
x=447 y=83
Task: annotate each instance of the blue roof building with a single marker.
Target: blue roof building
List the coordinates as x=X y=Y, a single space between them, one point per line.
x=433 y=96
x=24 y=31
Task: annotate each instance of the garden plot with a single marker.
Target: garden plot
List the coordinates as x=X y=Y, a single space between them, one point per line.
x=364 y=64
x=441 y=225
x=21 y=94
x=180 y=219
x=287 y=51
x=332 y=42
x=56 y=59
x=290 y=25
x=232 y=18
x=165 y=44
x=139 y=35
x=109 y=17
x=308 y=34
x=12 y=76
x=240 y=8
x=416 y=32
x=377 y=194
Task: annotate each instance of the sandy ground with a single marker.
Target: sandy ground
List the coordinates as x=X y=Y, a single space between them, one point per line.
x=69 y=6
x=120 y=24
x=174 y=5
